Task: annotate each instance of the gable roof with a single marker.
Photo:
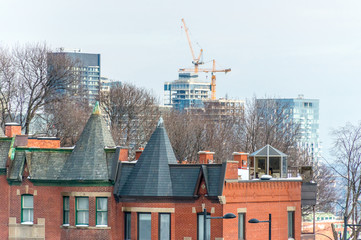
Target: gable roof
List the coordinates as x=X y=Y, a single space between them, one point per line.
x=88 y=161
x=268 y=150
x=150 y=175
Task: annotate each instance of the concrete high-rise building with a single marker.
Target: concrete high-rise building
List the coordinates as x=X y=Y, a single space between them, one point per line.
x=186 y=92
x=106 y=84
x=304 y=112
x=87 y=67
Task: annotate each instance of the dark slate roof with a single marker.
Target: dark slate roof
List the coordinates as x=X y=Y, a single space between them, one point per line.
x=88 y=161
x=150 y=175
x=2 y=134
x=46 y=165
x=157 y=174
x=17 y=166
x=271 y=152
x=43 y=165
x=4 y=152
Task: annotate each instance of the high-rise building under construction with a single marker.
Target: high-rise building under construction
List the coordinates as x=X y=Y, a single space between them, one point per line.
x=186 y=92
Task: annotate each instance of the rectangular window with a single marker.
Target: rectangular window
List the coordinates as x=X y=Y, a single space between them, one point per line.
x=201 y=227
x=65 y=210
x=241 y=226
x=82 y=211
x=291 y=225
x=27 y=209
x=144 y=226
x=164 y=226
x=102 y=211
x=127 y=225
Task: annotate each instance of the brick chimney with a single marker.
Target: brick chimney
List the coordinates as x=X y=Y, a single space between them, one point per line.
x=241 y=158
x=123 y=155
x=12 y=129
x=231 y=170
x=138 y=153
x=205 y=157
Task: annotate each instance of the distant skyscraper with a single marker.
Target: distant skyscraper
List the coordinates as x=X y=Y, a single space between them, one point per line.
x=107 y=84
x=305 y=112
x=186 y=92
x=88 y=69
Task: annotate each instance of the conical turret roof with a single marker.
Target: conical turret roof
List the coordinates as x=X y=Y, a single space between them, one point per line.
x=88 y=159
x=151 y=175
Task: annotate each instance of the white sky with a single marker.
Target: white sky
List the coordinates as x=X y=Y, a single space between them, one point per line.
x=278 y=48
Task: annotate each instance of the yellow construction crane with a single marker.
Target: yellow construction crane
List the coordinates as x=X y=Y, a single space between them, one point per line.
x=198 y=61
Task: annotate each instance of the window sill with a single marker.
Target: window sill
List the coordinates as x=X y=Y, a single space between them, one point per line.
x=66 y=225
x=82 y=225
x=99 y=227
x=27 y=223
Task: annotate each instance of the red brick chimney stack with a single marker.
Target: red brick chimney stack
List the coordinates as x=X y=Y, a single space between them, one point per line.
x=232 y=170
x=123 y=155
x=205 y=157
x=138 y=153
x=241 y=158
x=12 y=129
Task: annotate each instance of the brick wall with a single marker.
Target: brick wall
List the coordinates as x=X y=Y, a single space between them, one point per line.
x=43 y=143
x=258 y=199
x=48 y=204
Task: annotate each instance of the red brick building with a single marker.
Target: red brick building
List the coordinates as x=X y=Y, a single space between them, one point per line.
x=91 y=191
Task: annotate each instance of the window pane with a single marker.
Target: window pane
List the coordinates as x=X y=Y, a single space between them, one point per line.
x=145 y=226
x=83 y=218
x=127 y=227
x=27 y=215
x=28 y=201
x=83 y=203
x=66 y=203
x=102 y=204
x=241 y=226
x=66 y=218
x=290 y=224
x=164 y=226
x=201 y=227
x=102 y=218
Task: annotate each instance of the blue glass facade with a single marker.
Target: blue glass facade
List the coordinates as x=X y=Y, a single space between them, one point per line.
x=305 y=112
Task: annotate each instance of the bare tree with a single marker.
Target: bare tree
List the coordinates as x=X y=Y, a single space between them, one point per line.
x=347 y=151
x=65 y=119
x=132 y=112
x=38 y=82
x=8 y=87
x=186 y=133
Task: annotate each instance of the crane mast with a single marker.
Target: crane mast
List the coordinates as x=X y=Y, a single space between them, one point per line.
x=197 y=62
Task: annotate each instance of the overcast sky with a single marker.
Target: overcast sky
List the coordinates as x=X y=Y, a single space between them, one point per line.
x=275 y=48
